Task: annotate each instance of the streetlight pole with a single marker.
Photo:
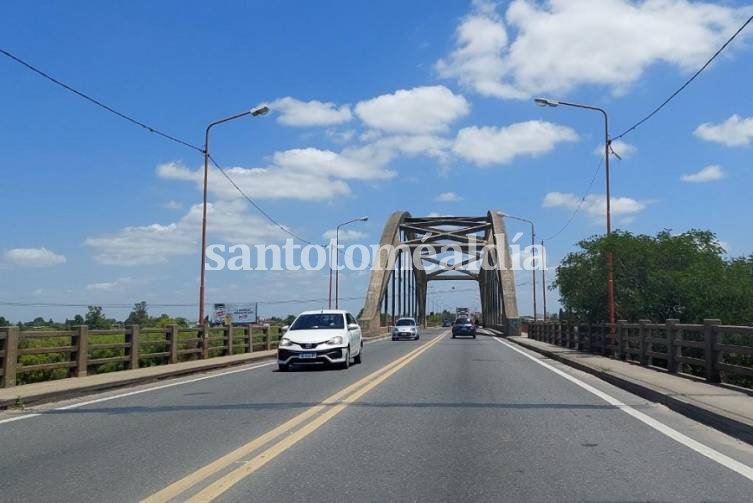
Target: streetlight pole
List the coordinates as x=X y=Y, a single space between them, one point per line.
x=254 y=113
x=543 y=277
x=337 y=267
x=544 y=102
x=533 y=251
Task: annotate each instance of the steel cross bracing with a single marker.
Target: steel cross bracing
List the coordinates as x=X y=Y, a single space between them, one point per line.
x=416 y=250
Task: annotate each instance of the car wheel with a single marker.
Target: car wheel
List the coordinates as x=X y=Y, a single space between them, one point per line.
x=283 y=367
x=453 y=336
x=474 y=336
x=357 y=358
x=346 y=364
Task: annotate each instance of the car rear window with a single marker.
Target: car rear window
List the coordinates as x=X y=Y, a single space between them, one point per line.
x=318 y=321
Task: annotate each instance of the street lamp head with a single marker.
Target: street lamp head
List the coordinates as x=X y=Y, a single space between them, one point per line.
x=363 y=219
x=262 y=110
x=545 y=102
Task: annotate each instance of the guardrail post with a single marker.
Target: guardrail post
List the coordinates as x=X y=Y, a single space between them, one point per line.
x=82 y=351
x=205 y=341
x=268 y=337
x=642 y=334
x=603 y=330
x=251 y=340
x=172 y=334
x=132 y=338
x=674 y=351
x=710 y=352
x=572 y=342
x=229 y=350
x=589 y=336
x=10 y=360
x=621 y=351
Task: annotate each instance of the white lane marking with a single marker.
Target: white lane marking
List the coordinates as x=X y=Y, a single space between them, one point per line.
x=155 y=388
x=140 y=391
x=724 y=460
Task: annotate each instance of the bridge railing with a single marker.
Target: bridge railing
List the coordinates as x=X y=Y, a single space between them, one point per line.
x=33 y=356
x=716 y=352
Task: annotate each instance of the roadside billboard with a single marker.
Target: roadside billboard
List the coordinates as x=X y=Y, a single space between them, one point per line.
x=238 y=313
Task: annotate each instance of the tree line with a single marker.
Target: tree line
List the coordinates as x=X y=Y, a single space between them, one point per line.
x=96 y=319
x=685 y=276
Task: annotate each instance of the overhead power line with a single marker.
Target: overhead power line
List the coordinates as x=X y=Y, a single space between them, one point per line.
x=266 y=215
x=128 y=118
x=154 y=130
x=682 y=87
x=580 y=204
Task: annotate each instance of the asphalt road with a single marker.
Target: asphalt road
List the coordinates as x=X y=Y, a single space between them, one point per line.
x=433 y=420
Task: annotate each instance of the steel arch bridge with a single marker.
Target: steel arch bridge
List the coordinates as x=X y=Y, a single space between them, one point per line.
x=416 y=250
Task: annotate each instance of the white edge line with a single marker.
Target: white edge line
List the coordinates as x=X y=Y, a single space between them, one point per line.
x=724 y=460
x=140 y=391
x=155 y=388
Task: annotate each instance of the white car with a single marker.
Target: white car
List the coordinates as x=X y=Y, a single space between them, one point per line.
x=321 y=337
x=405 y=328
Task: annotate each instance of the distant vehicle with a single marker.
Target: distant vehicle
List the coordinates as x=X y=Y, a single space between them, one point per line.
x=405 y=328
x=463 y=326
x=446 y=323
x=321 y=337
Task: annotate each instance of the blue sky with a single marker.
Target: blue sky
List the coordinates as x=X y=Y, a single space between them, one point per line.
x=377 y=106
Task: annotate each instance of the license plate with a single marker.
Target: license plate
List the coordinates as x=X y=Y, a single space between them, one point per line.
x=306 y=356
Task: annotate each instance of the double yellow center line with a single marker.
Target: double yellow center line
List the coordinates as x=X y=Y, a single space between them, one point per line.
x=326 y=410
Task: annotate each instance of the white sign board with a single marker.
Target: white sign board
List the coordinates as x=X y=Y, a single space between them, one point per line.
x=238 y=314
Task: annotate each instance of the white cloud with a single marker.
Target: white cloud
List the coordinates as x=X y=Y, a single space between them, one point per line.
x=33 y=257
x=173 y=205
x=294 y=112
x=228 y=222
x=595 y=205
x=326 y=162
x=261 y=183
x=734 y=132
x=109 y=286
x=345 y=235
x=623 y=149
x=420 y=110
x=448 y=197
x=562 y=44
x=491 y=145
x=708 y=174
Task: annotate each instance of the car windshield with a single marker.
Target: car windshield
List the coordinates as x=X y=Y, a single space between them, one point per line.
x=319 y=321
x=404 y=323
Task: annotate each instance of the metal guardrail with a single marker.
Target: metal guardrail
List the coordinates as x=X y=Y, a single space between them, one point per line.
x=44 y=355
x=712 y=350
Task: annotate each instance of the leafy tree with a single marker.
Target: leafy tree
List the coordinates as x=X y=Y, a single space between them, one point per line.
x=77 y=321
x=96 y=319
x=166 y=320
x=657 y=277
x=4 y=322
x=290 y=319
x=138 y=315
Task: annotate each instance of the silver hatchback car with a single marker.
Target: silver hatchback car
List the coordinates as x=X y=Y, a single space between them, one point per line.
x=405 y=328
